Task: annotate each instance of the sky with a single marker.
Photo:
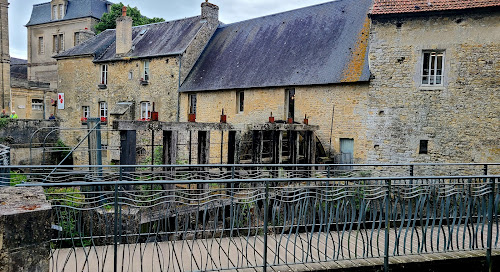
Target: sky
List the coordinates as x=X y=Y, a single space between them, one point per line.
x=230 y=11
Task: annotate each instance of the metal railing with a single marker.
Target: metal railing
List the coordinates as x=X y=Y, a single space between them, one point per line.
x=4 y=164
x=224 y=217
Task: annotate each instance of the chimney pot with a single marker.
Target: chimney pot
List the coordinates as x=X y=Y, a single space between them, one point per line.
x=124 y=11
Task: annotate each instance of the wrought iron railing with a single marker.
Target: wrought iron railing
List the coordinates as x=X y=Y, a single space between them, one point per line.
x=210 y=218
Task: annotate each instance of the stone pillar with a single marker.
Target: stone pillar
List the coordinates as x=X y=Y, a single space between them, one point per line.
x=4 y=54
x=25 y=230
x=123 y=33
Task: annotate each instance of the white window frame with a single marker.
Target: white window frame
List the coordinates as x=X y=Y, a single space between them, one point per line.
x=41 y=45
x=146 y=110
x=104 y=74
x=76 y=38
x=103 y=110
x=145 y=70
x=433 y=72
x=240 y=105
x=54 y=12
x=61 y=11
x=37 y=106
x=192 y=108
x=61 y=42
x=86 y=112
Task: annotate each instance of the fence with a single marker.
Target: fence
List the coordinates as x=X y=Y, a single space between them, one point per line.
x=4 y=164
x=210 y=218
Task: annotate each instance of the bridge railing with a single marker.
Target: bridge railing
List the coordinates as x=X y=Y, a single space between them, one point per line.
x=211 y=218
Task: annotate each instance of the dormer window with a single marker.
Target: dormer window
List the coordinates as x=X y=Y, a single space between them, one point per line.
x=54 y=12
x=61 y=11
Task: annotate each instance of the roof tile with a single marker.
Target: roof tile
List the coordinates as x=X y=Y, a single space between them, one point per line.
x=414 y=6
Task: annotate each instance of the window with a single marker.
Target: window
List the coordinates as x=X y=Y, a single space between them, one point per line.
x=432 y=68
x=41 y=48
x=61 y=11
x=290 y=103
x=145 y=111
x=104 y=74
x=58 y=43
x=145 y=74
x=192 y=104
x=424 y=147
x=77 y=38
x=130 y=75
x=103 y=111
x=240 y=103
x=85 y=112
x=37 y=104
x=54 y=12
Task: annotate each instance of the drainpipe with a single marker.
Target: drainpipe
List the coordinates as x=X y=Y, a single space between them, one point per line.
x=178 y=93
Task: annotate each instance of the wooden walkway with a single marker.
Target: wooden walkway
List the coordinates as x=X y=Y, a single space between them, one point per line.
x=286 y=252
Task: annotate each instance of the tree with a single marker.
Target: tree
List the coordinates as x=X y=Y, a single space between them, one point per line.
x=108 y=20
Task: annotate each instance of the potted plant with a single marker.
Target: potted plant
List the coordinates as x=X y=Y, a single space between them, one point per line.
x=104 y=120
x=84 y=120
x=144 y=82
x=192 y=117
x=271 y=118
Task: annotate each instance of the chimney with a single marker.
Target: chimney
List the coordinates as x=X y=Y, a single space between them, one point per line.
x=123 y=33
x=210 y=12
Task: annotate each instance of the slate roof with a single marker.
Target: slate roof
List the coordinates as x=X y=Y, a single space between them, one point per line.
x=18 y=68
x=41 y=13
x=415 y=6
x=322 y=44
x=153 y=40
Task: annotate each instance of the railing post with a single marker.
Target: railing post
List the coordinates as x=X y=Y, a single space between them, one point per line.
x=412 y=168
x=266 y=219
x=491 y=210
x=115 y=246
x=485 y=170
x=387 y=225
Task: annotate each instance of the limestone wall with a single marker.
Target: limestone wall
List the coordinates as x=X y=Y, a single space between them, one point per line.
x=461 y=119
x=317 y=102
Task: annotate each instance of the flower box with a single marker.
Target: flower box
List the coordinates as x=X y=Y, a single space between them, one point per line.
x=192 y=117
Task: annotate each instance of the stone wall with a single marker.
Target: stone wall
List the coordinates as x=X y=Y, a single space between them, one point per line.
x=461 y=119
x=79 y=79
x=25 y=222
x=317 y=102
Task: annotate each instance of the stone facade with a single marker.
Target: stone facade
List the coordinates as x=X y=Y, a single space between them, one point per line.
x=460 y=119
x=41 y=66
x=347 y=103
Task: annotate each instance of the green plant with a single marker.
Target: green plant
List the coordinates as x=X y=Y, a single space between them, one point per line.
x=4 y=122
x=63 y=148
x=108 y=20
x=17 y=178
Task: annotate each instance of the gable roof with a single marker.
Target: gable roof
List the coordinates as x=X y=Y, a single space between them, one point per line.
x=321 y=44
x=153 y=40
x=414 y=6
x=42 y=13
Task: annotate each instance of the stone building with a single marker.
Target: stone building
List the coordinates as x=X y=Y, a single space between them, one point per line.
x=389 y=81
x=435 y=90
x=57 y=26
x=125 y=73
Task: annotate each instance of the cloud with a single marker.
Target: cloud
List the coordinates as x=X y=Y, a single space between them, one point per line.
x=230 y=11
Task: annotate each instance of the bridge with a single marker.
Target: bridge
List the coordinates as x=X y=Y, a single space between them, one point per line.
x=267 y=217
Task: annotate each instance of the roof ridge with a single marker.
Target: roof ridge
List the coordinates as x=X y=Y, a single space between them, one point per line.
x=284 y=12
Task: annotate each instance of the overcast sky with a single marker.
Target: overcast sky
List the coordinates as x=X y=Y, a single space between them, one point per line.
x=230 y=11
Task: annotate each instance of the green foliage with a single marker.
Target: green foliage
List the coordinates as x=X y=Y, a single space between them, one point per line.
x=67 y=216
x=108 y=20
x=4 y=122
x=63 y=148
x=16 y=178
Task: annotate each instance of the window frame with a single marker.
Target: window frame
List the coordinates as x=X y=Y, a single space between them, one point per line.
x=148 y=109
x=37 y=106
x=76 y=38
x=240 y=101
x=61 y=12
x=192 y=98
x=54 y=12
x=146 y=72
x=86 y=112
x=41 y=45
x=432 y=79
x=290 y=95
x=104 y=74
x=103 y=108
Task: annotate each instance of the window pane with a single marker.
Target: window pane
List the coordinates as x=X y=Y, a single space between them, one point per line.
x=425 y=68
x=192 y=103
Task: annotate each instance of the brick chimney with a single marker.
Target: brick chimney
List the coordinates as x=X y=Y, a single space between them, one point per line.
x=210 y=12
x=123 y=33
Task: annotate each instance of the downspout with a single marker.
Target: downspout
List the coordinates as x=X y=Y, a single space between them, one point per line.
x=178 y=92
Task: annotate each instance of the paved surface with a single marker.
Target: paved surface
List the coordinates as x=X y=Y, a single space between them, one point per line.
x=287 y=252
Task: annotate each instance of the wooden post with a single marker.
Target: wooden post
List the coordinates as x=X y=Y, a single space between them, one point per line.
x=128 y=144
x=257 y=146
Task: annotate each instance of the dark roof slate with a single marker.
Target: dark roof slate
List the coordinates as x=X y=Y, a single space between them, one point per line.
x=19 y=68
x=321 y=44
x=41 y=13
x=160 y=39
